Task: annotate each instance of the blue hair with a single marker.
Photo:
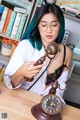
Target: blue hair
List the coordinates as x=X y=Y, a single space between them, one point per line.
x=32 y=33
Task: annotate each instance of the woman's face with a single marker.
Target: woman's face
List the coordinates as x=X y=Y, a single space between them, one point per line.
x=48 y=28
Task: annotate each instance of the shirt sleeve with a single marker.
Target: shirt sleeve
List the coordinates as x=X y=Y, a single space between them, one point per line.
x=16 y=61
x=7 y=81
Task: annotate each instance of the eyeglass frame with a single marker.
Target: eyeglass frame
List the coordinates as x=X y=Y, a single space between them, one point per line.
x=48 y=25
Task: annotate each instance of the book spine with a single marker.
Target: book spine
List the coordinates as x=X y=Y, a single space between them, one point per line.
x=11 y=23
x=6 y=21
x=19 y=9
x=21 y=26
x=16 y=25
x=1 y=10
x=3 y=18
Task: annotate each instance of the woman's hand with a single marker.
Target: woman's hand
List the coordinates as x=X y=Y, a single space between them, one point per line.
x=28 y=70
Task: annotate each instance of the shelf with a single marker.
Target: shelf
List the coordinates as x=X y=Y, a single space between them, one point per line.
x=5 y=36
x=72 y=17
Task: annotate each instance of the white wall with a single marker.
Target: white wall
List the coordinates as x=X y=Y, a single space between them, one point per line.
x=74 y=27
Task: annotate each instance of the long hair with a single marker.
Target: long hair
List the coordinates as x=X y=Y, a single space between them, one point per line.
x=32 y=33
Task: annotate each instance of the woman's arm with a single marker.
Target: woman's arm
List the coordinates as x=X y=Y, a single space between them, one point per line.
x=27 y=71
x=19 y=67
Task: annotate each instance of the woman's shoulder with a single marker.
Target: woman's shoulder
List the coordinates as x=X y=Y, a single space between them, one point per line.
x=24 y=42
x=68 y=55
x=68 y=50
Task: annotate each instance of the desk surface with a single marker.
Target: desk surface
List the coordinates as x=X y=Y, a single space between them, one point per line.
x=17 y=104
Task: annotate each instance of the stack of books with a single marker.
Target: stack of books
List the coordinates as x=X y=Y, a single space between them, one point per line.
x=13 y=18
x=13 y=7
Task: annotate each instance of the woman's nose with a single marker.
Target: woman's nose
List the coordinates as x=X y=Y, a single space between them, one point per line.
x=49 y=29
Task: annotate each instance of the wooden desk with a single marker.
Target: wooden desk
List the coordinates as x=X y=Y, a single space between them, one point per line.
x=18 y=103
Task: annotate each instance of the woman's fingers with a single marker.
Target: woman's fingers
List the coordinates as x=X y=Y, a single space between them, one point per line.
x=29 y=70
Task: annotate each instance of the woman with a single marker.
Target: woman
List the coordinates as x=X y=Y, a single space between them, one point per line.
x=46 y=27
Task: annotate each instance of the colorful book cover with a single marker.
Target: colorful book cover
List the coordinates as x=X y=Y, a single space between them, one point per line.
x=3 y=18
x=21 y=26
x=16 y=25
x=6 y=21
x=11 y=23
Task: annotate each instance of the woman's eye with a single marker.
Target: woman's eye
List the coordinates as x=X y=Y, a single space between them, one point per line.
x=54 y=25
x=44 y=25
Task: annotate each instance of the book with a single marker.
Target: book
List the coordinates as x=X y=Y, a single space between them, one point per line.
x=6 y=21
x=16 y=25
x=14 y=8
x=11 y=23
x=21 y=26
x=3 y=18
x=20 y=3
x=1 y=10
x=19 y=9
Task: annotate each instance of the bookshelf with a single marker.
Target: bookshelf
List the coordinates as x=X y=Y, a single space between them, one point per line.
x=4 y=59
x=30 y=6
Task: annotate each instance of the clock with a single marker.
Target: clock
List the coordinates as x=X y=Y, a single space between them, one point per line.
x=51 y=104
x=48 y=109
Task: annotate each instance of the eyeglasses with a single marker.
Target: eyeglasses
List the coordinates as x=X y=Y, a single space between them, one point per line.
x=44 y=26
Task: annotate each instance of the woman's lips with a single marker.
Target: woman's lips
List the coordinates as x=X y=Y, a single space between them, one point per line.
x=49 y=36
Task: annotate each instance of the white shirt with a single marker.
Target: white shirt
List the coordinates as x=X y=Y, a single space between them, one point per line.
x=25 y=52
